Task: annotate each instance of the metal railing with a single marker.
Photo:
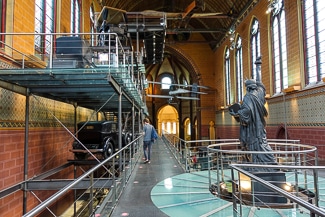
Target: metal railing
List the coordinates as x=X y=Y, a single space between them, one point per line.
x=111 y=52
x=304 y=201
x=294 y=161
x=191 y=155
x=300 y=184
x=129 y=155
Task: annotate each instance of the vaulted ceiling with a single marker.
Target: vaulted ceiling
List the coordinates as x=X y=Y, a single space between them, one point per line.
x=212 y=18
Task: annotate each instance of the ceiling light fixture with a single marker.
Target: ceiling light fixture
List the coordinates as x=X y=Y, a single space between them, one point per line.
x=274 y=6
x=231 y=33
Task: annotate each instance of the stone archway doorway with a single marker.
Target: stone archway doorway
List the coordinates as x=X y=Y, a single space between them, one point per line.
x=168 y=120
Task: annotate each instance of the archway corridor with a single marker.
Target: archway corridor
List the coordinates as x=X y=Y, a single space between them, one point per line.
x=167 y=118
x=168 y=121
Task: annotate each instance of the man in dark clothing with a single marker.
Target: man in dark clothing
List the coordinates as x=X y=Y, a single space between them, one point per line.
x=147 y=142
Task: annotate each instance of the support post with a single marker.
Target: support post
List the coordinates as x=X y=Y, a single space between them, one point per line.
x=26 y=153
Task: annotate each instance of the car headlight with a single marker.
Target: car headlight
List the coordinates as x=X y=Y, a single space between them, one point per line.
x=75 y=144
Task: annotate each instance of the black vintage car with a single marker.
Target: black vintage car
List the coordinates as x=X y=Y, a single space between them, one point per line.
x=99 y=137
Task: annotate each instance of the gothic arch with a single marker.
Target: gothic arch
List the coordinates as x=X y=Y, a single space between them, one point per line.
x=186 y=60
x=187 y=128
x=168 y=120
x=282 y=133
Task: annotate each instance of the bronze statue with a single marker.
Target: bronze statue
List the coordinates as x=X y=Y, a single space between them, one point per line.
x=251 y=116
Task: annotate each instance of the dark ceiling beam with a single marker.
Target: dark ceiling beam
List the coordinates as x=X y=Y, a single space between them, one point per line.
x=188 y=30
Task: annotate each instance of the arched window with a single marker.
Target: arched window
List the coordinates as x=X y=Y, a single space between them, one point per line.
x=227 y=75
x=165 y=83
x=255 y=45
x=239 y=69
x=187 y=129
x=75 y=16
x=163 y=127
x=168 y=127
x=279 y=47
x=92 y=25
x=314 y=28
x=44 y=23
x=2 y=20
x=174 y=128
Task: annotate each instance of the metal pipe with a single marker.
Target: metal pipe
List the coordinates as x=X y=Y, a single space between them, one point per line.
x=234 y=203
x=120 y=127
x=26 y=153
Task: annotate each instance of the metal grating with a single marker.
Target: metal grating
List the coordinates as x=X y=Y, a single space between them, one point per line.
x=93 y=88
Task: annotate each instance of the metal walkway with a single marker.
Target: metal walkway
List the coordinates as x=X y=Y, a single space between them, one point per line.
x=136 y=201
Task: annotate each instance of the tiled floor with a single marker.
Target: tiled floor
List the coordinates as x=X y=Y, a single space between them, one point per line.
x=188 y=195
x=136 y=199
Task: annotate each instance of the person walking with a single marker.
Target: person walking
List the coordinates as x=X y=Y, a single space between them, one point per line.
x=147 y=140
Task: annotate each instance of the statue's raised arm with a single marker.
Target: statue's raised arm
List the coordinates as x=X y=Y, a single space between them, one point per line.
x=258 y=64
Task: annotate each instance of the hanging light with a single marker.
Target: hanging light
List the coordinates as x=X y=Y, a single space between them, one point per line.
x=274 y=6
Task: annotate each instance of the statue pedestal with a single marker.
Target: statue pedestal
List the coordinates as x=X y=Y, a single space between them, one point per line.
x=262 y=194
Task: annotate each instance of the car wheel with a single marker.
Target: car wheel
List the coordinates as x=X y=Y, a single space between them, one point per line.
x=127 y=139
x=80 y=156
x=108 y=149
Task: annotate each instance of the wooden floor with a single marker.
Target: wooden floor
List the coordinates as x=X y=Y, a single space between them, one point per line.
x=135 y=200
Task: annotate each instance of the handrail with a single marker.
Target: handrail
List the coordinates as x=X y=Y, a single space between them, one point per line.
x=309 y=149
x=211 y=140
x=299 y=201
x=14 y=49
x=58 y=194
